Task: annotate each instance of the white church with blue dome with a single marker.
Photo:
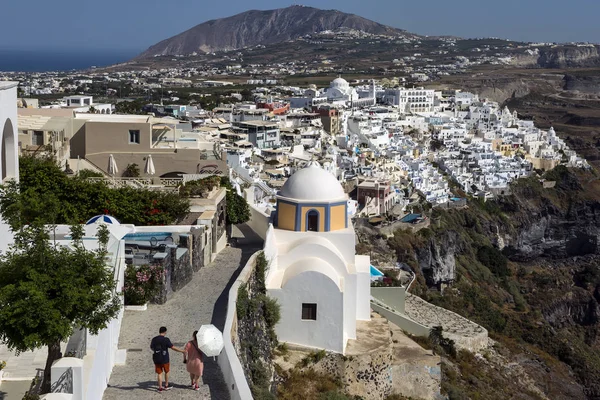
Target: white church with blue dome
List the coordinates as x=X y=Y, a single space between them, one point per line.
x=322 y=286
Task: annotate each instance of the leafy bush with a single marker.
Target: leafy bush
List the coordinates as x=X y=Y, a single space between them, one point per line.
x=242 y=303
x=46 y=195
x=132 y=171
x=313 y=358
x=88 y=173
x=494 y=260
x=141 y=284
x=306 y=385
x=260 y=272
x=200 y=187
x=238 y=210
x=440 y=343
x=271 y=310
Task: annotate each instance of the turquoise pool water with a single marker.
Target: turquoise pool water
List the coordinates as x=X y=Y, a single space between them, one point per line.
x=375 y=273
x=145 y=236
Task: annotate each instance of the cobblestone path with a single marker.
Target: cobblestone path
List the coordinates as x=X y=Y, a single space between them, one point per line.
x=202 y=301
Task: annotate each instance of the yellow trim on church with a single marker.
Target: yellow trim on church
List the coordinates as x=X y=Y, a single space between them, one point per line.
x=286 y=216
x=320 y=210
x=337 y=219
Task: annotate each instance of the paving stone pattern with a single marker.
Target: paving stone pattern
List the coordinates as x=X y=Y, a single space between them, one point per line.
x=202 y=301
x=466 y=333
x=25 y=365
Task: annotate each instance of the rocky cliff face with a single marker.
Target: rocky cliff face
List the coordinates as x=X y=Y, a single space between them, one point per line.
x=437 y=258
x=263 y=27
x=548 y=230
x=584 y=84
x=569 y=56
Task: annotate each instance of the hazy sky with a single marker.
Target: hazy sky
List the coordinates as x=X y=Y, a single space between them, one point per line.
x=137 y=24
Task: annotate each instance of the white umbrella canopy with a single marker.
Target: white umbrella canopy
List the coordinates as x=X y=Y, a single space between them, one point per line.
x=149 y=167
x=112 y=166
x=210 y=340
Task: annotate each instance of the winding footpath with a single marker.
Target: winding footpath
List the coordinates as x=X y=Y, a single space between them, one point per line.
x=202 y=301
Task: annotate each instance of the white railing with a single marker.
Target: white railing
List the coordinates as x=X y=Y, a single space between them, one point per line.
x=140 y=183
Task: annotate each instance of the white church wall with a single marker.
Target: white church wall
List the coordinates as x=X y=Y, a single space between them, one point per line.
x=9 y=166
x=318 y=250
x=350 y=292
x=311 y=287
x=363 y=294
x=271 y=252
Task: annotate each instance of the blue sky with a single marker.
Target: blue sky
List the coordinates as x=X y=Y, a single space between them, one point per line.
x=137 y=24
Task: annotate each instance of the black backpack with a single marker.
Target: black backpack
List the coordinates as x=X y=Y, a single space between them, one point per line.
x=160 y=352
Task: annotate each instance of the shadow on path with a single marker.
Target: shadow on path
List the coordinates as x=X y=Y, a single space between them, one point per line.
x=249 y=243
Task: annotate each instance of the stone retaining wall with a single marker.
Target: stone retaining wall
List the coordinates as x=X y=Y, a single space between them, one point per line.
x=182 y=262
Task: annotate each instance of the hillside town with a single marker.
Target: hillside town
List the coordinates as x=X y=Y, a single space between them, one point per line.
x=404 y=143
x=358 y=212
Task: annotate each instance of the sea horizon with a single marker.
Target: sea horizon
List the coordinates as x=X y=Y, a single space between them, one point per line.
x=45 y=60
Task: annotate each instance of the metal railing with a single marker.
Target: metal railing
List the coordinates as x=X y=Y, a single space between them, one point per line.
x=64 y=384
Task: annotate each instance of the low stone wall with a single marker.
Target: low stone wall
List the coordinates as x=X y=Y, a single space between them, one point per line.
x=466 y=334
x=229 y=361
x=185 y=263
x=402 y=321
x=182 y=262
x=389 y=230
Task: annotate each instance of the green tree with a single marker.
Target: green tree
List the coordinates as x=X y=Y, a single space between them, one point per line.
x=238 y=210
x=46 y=290
x=45 y=194
x=132 y=171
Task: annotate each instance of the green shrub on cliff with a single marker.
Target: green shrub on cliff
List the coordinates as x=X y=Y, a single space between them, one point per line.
x=494 y=260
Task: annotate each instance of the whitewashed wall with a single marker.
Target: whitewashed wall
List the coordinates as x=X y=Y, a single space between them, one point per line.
x=228 y=360
x=102 y=349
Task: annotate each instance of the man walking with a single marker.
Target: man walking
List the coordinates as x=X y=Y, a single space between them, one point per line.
x=160 y=346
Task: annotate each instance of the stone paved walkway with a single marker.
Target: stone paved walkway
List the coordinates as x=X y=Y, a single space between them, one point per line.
x=25 y=365
x=202 y=301
x=467 y=334
x=13 y=390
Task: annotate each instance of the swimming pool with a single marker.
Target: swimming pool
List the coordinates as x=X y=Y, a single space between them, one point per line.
x=145 y=236
x=375 y=273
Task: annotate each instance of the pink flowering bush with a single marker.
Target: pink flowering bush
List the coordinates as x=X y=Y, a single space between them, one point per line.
x=142 y=283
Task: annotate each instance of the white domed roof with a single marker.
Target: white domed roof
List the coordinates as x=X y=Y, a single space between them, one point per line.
x=339 y=82
x=313 y=183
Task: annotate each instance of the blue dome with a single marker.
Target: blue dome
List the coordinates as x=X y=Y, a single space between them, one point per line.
x=106 y=219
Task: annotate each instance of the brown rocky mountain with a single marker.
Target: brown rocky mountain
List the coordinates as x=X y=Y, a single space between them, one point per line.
x=263 y=27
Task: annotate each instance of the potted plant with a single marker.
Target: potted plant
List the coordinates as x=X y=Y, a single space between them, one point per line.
x=141 y=284
x=2 y=366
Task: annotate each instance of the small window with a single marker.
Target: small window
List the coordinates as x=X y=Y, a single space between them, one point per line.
x=309 y=311
x=134 y=137
x=313 y=221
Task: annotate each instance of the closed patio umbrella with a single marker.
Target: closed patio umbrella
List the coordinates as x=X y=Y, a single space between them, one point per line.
x=112 y=166
x=210 y=340
x=149 y=167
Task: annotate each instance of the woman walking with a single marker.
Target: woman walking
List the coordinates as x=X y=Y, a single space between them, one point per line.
x=193 y=361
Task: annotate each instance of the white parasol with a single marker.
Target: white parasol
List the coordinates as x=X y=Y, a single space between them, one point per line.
x=112 y=166
x=149 y=167
x=210 y=340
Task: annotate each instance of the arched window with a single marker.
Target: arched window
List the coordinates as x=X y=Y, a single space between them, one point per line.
x=7 y=154
x=312 y=221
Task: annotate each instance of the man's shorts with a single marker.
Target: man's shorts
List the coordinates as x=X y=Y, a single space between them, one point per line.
x=159 y=368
